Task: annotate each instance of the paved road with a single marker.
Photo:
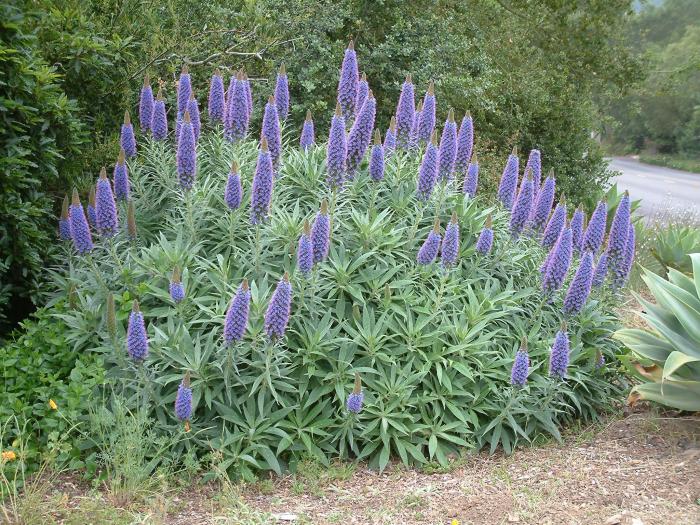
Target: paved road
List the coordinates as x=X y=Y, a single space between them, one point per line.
x=664 y=191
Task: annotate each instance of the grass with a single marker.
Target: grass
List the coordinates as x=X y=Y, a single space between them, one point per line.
x=678 y=162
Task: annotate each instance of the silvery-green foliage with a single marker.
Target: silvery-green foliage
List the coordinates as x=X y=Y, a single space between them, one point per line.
x=434 y=348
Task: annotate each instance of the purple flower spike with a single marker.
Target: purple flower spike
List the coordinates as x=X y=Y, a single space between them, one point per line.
x=543 y=204
x=234 y=192
x=405 y=111
x=595 y=233
x=362 y=91
x=521 y=365
x=555 y=224
x=183 y=400
x=237 y=315
x=413 y=137
x=282 y=93
x=347 y=85
x=128 y=140
x=146 y=105
x=558 y=263
x=599 y=360
x=601 y=270
x=271 y=131
x=559 y=354
x=472 y=179
x=216 y=98
x=279 y=309
x=577 y=227
x=580 y=286
x=354 y=402
x=159 y=125
x=193 y=108
x=307 y=133
x=321 y=233
x=64 y=221
x=305 y=251
x=186 y=154
x=106 y=220
x=450 y=244
x=521 y=209
x=337 y=151
x=427 y=174
x=428 y=252
x=177 y=290
x=237 y=119
x=136 y=338
x=360 y=135
x=509 y=180
x=184 y=89
x=465 y=144
x=261 y=194
x=248 y=90
x=79 y=228
x=448 y=149
x=390 y=138
x=91 y=211
x=121 y=178
x=534 y=164
x=376 y=159
x=485 y=241
x=623 y=272
x=619 y=231
x=426 y=121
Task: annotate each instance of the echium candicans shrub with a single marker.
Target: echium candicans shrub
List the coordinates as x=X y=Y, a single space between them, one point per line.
x=426 y=120
x=465 y=144
x=471 y=181
x=619 y=232
x=543 y=204
x=521 y=209
x=271 y=131
x=261 y=193
x=184 y=89
x=405 y=113
x=279 y=309
x=193 y=109
x=580 y=286
x=176 y=288
x=521 y=366
x=348 y=83
x=106 y=219
x=427 y=174
x=450 y=244
x=186 y=154
x=509 y=180
x=146 y=104
x=595 y=232
x=128 y=139
x=233 y=194
x=136 y=336
x=390 y=137
x=248 y=90
x=305 y=251
x=281 y=92
x=622 y=272
x=236 y=121
x=183 y=401
x=307 y=138
x=601 y=270
x=534 y=164
x=429 y=250
x=159 y=124
x=216 y=103
x=360 y=135
x=321 y=233
x=79 y=227
x=413 y=136
x=362 y=91
x=356 y=397
x=376 y=158
x=337 y=151
x=236 y=320
x=448 y=149
x=559 y=354
x=122 y=185
x=557 y=263
x=555 y=224
x=577 y=227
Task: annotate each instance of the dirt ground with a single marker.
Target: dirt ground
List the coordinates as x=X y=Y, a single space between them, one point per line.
x=642 y=469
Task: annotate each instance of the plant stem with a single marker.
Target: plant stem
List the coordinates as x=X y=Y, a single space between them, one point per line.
x=98 y=275
x=190 y=217
x=258 y=250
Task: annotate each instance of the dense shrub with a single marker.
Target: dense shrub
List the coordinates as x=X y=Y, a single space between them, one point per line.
x=433 y=348
x=40 y=136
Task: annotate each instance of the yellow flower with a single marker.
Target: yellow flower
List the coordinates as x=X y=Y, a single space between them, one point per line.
x=455 y=522
x=53 y=405
x=9 y=455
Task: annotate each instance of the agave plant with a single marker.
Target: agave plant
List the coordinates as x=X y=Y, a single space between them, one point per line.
x=672 y=245
x=667 y=357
